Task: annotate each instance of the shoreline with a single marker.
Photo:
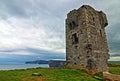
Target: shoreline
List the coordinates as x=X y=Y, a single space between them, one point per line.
x=4 y=67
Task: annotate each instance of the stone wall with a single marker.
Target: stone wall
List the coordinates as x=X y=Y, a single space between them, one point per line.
x=86 y=43
x=56 y=63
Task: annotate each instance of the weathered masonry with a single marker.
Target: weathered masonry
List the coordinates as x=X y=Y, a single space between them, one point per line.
x=86 y=43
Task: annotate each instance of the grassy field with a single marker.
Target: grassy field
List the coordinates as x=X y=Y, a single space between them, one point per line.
x=46 y=75
x=114 y=67
x=49 y=74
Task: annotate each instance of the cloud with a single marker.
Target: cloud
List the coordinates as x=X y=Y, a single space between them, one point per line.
x=26 y=35
x=40 y=25
x=115 y=58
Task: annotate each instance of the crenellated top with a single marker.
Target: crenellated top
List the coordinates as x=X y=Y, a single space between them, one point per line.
x=86 y=16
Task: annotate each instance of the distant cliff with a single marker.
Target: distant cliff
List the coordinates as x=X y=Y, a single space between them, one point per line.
x=52 y=63
x=37 y=62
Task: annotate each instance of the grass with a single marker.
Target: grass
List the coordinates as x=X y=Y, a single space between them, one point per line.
x=114 y=67
x=114 y=70
x=46 y=75
x=50 y=74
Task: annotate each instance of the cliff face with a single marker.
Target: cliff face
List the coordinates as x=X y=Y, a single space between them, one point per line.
x=86 y=43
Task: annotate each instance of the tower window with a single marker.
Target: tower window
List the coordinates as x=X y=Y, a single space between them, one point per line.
x=75 y=63
x=72 y=24
x=101 y=33
x=93 y=19
x=75 y=38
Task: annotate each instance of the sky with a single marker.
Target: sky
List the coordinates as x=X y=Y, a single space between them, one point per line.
x=35 y=29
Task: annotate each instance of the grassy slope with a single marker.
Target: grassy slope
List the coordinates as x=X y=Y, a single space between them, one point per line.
x=47 y=75
x=51 y=74
x=115 y=70
x=114 y=67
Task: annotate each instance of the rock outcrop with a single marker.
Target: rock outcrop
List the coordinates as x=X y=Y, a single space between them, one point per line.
x=111 y=77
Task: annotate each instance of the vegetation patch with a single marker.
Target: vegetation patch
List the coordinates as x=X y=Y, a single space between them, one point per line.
x=52 y=74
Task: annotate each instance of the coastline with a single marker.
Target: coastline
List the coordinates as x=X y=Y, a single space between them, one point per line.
x=19 y=66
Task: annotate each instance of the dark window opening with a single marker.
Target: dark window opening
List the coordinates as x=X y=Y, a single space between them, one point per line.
x=75 y=38
x=72 y=24
x=101 y=33
x=93 y=19
x=75 y=63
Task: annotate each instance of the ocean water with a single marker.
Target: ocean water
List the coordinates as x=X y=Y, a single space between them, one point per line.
x=12 y=66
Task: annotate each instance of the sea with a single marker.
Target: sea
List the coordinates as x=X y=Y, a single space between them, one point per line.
x=13 y=66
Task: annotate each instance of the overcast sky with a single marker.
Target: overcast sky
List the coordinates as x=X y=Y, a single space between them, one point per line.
x=35 y=29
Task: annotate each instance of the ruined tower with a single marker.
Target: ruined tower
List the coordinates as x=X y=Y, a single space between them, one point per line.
x=86 y=43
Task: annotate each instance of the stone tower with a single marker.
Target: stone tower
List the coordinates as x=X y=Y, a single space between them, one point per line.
x=86 y=43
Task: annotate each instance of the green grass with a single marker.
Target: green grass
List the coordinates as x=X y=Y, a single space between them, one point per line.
x=114 y=70
x=114 y=67
x=47 y=74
